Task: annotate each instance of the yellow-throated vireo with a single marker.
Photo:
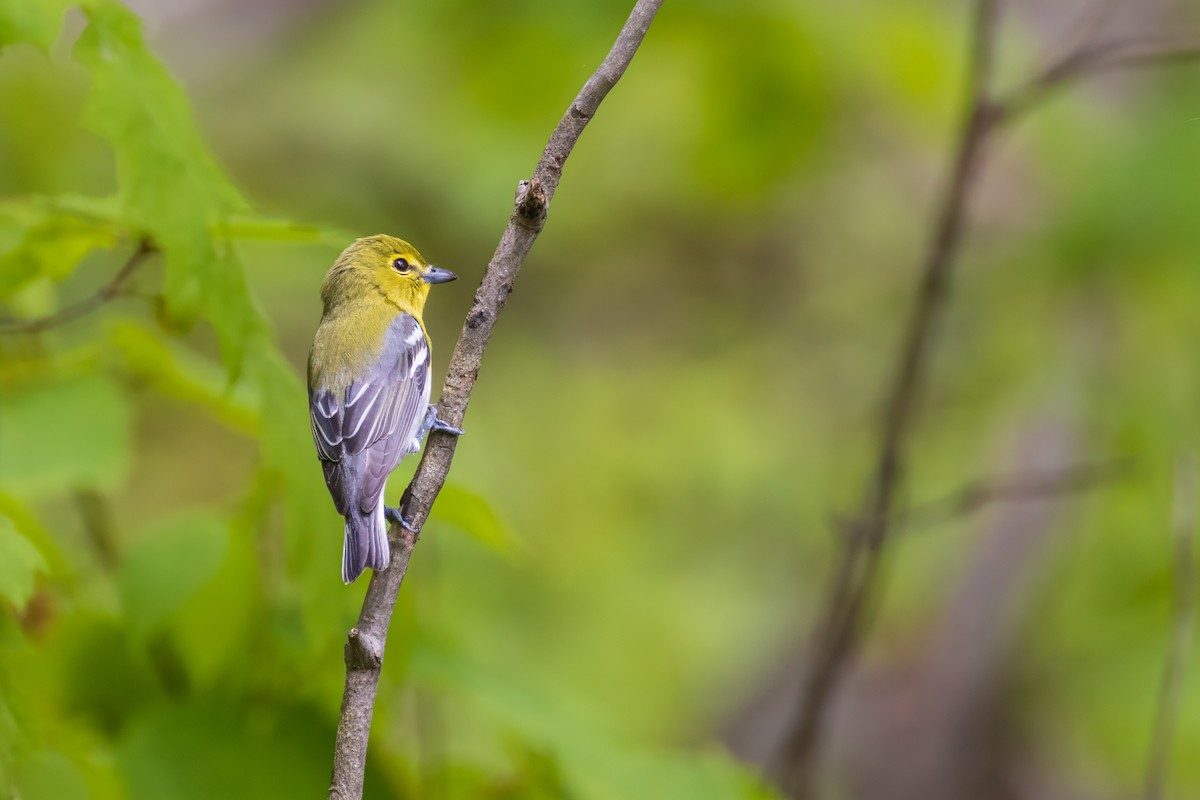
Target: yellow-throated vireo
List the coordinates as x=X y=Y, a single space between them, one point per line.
x=368 y=385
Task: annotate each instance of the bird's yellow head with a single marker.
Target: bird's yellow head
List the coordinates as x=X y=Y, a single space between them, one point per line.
x=383 y=268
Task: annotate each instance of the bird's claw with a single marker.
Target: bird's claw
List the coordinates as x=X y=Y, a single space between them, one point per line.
x=432 y=423
x=446 y=427
x=396 y=517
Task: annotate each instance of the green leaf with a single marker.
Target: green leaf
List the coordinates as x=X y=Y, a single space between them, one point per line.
x=68 y=434
x=246 y=226
x=210 y=651
x=168 y=566
x=18 y=698
x=211 y=747
x=104 y=210
x=10 y=736
x=19 y=563
x=180 y=373
x=595 y=764
x=36 y=22
x=50 y=775
x=170 y=187
x=101 y=678
x=471 y=513
x=50 y=247
x=27 y=525
x=312 y=529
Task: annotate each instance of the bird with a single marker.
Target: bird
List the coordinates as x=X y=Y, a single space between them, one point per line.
x=368 y=386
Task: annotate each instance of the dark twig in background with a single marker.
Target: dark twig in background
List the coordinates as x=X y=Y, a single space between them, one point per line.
x=1183 y=620
x=365 y=644
x=854 y=577
x=104 y=294
x=1034 y=486
x=1090 y=59
x=836 y=633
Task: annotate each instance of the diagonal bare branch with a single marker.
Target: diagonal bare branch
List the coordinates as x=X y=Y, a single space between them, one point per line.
x=365 y=644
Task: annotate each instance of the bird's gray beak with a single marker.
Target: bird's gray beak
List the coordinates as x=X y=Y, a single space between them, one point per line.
x=439 y=275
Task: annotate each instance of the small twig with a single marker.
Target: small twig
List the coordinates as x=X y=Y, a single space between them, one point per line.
x=1094 y=20
x=1087 y=60
x=364 y=649
x=1036 y=486
x=104 y=294
x=1183 y=617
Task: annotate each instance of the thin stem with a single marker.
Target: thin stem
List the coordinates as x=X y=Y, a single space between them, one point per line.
x=974 y=496
x=104 y=294
x=1088 y=60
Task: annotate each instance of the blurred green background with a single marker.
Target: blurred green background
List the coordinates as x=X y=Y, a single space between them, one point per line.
x=679 y=400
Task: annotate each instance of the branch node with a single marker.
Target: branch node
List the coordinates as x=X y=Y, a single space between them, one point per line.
x=477 y=317
x=531 y=204
x=363 y=651
x=579 y=113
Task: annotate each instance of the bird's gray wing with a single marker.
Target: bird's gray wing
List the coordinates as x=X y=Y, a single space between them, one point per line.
x=362 y=434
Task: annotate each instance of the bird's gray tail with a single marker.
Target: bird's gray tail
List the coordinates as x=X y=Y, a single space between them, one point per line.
x=366 y=543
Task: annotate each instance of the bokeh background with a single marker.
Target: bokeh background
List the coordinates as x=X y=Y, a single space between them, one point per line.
x=613 y=596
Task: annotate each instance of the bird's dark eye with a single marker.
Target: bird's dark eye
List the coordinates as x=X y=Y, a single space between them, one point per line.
x=401 y=265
